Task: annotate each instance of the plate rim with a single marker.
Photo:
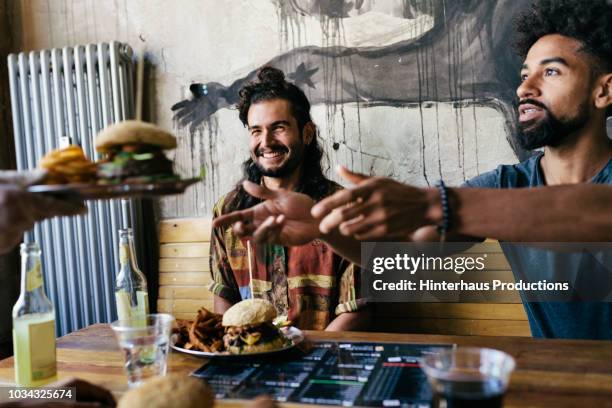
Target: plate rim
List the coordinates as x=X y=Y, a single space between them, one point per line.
x=85 y=189
x=296 y=338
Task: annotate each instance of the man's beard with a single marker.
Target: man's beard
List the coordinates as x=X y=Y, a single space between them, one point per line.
x=549 y=131
x=286 y=169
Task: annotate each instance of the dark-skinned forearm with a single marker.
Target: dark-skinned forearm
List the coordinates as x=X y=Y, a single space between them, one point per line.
x=545 y=214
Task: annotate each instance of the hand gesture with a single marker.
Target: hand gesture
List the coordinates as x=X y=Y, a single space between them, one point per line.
x=375 y=208
x=283 y=218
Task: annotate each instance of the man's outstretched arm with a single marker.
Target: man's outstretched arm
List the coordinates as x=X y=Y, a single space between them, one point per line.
x=570 y=213
x=383 y=209
x=378 y=208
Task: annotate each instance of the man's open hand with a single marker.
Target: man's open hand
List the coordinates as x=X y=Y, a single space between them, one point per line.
x=283 y=218
x=375 y=208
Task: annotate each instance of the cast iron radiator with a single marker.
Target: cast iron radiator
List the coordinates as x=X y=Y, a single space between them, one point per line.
x=63 y=96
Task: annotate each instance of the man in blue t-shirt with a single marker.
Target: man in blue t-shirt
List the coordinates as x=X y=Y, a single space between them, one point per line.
x=579 y=319
x=564 y=100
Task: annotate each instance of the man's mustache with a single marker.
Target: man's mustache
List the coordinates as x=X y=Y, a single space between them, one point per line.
x=533 y=102
x=274 y=149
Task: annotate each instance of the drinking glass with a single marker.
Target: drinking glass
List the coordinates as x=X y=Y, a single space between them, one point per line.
x=145 y=342
x=468 y=377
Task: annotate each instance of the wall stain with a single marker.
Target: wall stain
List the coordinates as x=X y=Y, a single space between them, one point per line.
x=421 y=77
x=212 y=163
x=461 y=59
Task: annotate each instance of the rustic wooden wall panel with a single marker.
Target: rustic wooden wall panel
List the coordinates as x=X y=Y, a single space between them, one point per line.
x=181 y=230
x=185 y=250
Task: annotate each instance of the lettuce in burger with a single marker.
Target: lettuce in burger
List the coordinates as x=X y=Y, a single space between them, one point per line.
x=134 y=153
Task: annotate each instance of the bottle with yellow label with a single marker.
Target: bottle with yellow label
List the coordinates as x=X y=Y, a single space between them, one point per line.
x=33 y=324
x=131 y=294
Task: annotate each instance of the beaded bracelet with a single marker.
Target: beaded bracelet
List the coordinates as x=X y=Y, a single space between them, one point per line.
x=446 y=212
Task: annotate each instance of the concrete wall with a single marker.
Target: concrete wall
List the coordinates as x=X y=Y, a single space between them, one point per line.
x=416 y=90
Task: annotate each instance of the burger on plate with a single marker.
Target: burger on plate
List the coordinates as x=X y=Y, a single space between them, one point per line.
x=134 y=153
x=249 y=329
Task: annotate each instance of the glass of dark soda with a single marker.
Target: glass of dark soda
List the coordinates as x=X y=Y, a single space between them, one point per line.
x=468 y=377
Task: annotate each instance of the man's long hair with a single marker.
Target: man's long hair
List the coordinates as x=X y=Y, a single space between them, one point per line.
x=589 y=22
x=271 y=84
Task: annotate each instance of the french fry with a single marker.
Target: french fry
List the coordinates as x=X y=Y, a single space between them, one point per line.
x=68 y=165
x=206 y=332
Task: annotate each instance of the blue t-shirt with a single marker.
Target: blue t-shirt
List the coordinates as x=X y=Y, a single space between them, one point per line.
x=571 y=320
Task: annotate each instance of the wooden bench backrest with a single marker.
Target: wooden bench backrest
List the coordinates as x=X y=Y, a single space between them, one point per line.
x=184 y=268
x=185 y=275
x=477 y=319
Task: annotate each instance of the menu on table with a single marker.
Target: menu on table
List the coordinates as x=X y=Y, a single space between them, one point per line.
x=363 y=374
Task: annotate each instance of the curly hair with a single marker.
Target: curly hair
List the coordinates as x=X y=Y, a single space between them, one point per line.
x=589 y=22
x=271 y=84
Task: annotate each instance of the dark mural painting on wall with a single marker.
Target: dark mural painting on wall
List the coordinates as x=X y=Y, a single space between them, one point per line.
x=465 y=57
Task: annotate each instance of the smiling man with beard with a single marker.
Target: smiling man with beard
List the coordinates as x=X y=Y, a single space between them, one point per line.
x=308 y=284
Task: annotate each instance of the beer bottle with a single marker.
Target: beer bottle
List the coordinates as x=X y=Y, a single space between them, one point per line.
x=131 y=287
x=33 y=324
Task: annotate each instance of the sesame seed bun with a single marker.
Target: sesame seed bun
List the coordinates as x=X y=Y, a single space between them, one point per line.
x=249 y=312
x=134 y=131
x=171 y=391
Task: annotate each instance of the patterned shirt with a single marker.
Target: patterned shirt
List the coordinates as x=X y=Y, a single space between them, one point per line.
x=310 y=284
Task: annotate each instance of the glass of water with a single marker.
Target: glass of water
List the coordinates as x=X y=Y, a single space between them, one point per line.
x=145 y=342
x=468 y=377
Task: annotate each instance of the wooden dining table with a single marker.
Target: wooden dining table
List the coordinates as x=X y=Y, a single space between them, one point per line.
x=549 y=373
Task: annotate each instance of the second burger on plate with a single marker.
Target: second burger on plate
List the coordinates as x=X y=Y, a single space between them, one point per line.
x=249 y=328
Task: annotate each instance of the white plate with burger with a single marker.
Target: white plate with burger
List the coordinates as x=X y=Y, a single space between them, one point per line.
x=247 y=329
x=134 y=165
